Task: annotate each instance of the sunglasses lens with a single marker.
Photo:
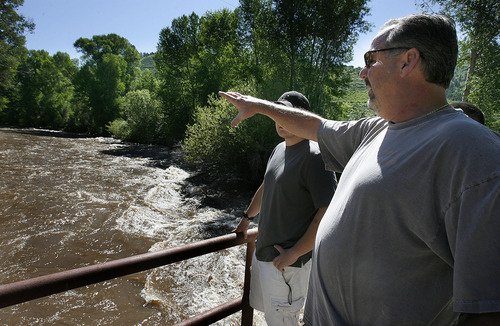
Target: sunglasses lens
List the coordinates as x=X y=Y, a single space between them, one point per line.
x=368 y=58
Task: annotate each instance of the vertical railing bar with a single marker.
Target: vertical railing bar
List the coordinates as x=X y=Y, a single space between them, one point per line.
x=242 y=303
x=247 y=310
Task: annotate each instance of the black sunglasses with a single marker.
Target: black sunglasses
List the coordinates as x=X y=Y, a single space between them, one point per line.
x=368 y=55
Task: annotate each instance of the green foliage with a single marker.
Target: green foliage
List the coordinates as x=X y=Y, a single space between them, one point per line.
x=479 y=51
x=192 y=62
x=79 y=118
x=143 y=118
x=146 y=79
x=94 y=49
x=120 y=129
x=101 y=86
x=455 y=91
x=110 y=64
x=212 y=141
x=45 y=89
x=484 y=84
x=12 y=50
x=301 y=45
x=177 y=48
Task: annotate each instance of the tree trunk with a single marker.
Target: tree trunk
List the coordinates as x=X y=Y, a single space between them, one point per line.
x=293 y=72
x=470 y=73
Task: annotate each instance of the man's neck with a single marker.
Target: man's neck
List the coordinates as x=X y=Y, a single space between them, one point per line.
x=426 y=101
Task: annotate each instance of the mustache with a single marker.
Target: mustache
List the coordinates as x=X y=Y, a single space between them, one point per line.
x=367 y=83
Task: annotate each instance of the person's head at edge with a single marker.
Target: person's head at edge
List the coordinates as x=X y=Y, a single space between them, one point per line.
x=292 y=99
x=413 y=76
x=470 y=110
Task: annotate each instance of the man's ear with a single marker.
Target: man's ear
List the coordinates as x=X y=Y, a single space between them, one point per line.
x=410 y=61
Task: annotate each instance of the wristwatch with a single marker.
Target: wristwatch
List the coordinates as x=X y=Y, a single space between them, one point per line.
x=247 y=217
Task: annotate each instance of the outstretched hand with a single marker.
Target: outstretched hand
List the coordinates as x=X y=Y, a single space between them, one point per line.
x=246 y=105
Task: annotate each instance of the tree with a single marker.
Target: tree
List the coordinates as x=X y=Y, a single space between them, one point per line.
x=268 y=64
x=146 y=79
x=291 y=31
x=221 y=58
x=110 y=63
x=334 y=27
x=142 y=115
x=101 y=87
x=197 y=57
x=12 y=50
x=142 y=118
x=45 y=89
x=479 y=20
x=308 y=39
x=94 y=49
x=253 y=17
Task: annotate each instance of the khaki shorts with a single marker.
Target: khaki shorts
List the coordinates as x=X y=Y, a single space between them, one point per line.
x=280 y=295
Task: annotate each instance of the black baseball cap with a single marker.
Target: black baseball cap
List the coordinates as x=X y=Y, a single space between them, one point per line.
x=295 y=100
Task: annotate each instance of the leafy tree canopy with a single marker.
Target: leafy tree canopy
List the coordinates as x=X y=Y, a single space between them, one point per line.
x=12 y=40
x=479 y=21
x=100 y=45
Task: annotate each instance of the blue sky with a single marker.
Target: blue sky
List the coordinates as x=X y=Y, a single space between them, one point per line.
x=59 y=23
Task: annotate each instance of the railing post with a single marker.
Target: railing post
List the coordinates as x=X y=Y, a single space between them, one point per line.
x=247 y=310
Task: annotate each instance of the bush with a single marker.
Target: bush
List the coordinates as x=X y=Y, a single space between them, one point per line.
x=243 y=149
x=119 y=128
x=142 y=118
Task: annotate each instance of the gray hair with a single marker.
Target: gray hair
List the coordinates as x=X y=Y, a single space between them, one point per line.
x=434 y=36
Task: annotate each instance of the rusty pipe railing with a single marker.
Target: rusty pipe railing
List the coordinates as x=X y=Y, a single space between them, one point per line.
x=34 y=288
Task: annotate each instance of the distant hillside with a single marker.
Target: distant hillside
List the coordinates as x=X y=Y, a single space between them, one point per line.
x=147 y=62
x=356 y=97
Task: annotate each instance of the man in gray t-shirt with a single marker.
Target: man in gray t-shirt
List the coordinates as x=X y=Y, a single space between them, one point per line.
x=290 y=202
x=411 y=236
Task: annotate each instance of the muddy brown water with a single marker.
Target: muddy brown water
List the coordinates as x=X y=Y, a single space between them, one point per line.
x=68 y=201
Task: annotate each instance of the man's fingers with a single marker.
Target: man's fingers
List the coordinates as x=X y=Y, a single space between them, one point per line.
x=230 y=96
x=236 y=120
x=245 y=105
x=279 y=248
x=242 y=227
x=276 y=263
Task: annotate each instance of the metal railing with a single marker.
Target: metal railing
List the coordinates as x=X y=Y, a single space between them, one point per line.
x=34 y=288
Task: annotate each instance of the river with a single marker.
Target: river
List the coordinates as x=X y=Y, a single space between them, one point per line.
x=69 y=200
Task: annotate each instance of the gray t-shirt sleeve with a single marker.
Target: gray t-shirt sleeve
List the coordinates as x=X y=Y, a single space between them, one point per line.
x=338 y=140
x=473 y=228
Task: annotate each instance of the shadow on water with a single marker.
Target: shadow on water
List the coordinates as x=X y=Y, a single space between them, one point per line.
x=44 y=132
x=158 y=156
x=228 y=195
